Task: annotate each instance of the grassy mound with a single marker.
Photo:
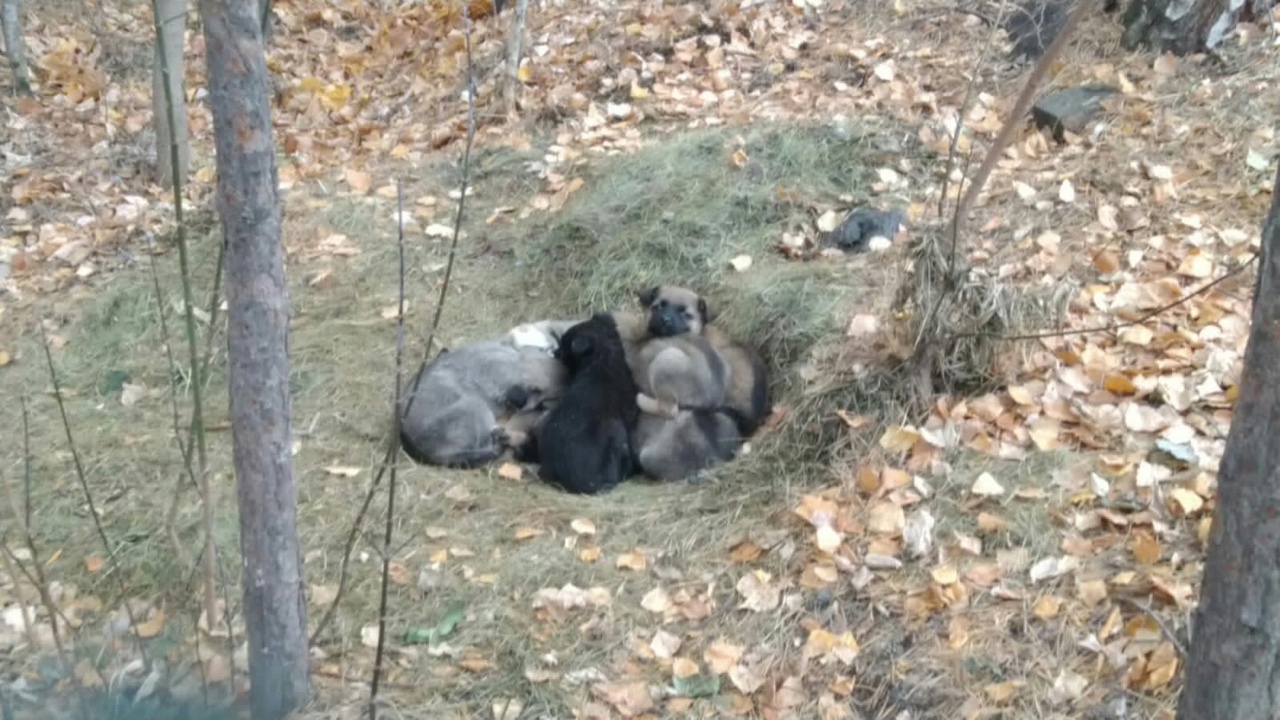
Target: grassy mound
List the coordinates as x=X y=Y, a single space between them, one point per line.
x=680 y=210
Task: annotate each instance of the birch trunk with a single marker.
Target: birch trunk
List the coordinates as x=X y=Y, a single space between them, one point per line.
x=167 y=65
x=14 y=47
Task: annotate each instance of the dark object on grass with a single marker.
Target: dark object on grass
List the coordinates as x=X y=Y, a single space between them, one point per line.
x=584 y=443
x=1070 y=109
x=861 y=225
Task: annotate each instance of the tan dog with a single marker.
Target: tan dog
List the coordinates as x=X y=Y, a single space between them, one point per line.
x=694 y=408
x=673 y=311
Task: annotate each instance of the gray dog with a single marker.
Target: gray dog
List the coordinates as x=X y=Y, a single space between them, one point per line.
x=474 y=402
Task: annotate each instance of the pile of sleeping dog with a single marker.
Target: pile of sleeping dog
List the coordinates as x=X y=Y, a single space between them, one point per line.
x=593 y=402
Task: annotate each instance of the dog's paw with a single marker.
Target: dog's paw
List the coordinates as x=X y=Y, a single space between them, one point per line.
x=500 y=436
x=654 y=406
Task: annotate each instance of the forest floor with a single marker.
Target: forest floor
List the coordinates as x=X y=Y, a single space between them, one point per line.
x=1027 y=549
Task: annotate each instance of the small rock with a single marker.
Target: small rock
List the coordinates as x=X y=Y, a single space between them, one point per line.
x=1070 y=109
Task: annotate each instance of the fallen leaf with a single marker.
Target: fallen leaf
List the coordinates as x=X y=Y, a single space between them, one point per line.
x=886 y=518
x=361 y=182
x=510 y=471
x=756 y=592
x=986 y=486
x=741 y=263
x=631 y=561
x=1001 y=692
x=684 y=668
x=628 y=698
x=656 y=600
x=721 y=656
x=583 y=526
x=343 y=471
x=665 y=645
x=93 y=563
x=151 y=627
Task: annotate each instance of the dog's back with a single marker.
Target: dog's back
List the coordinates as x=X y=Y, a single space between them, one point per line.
x=584 y=443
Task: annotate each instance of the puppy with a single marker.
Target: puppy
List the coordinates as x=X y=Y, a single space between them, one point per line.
x=676 y=310
x=584 y=442
x=454 y=417
x=686 y=424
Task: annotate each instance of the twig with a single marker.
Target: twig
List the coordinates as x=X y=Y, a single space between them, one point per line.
x=1116 y=326
x=969 y=92
x=26 y=464
x=171 y=516
x=197 y=392
x=84 y=483
x=391 y=485
x=11 y=567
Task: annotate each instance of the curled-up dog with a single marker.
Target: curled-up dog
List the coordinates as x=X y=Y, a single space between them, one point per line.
x=674 y=311
x=456 y=416
x=689 y=420
x=584 y=443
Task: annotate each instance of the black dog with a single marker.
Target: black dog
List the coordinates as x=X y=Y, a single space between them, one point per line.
x=584 y=443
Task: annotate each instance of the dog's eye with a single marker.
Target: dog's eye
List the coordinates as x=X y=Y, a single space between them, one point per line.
x=662 y=303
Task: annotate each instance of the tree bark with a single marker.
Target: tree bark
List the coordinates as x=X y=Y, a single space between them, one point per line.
x=1183 y=27
x=258 y=359
x=268 y=27
x=515 y=45
x=167 y=64
x=1233 y=669
x=11 y=23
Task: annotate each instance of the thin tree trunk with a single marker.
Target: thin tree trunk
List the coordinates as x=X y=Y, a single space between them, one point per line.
x=268 y=27
x=1186 y=26
x=1233 y=672
x=167 y=63
x=514 y=49
x=258 y=360
x=11 y=21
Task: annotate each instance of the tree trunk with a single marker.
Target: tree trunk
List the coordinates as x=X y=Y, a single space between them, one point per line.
x=258 y=359
x=1233 y=672
x=167 y=63
x=1183 y=27
x=514 y=50
x=11 y=22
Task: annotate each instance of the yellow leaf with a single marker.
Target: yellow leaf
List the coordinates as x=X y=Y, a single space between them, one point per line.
x=1119 y=384
x=1145 y=548
x=526 y=532
x=738 y=159
x=4 y=358
x=583 y=526
x=152 y=627
x=590 y=554
x=945 y=575
x=1001 y=692
x=632 y=560
x=510 y=471
x=1047 y=607
x=639 y=92
x=93 y=563
x=360 y=182
x=525 y=73
x=721 y=656
x=898 y=439
x=1184 y=502
x=684 y=668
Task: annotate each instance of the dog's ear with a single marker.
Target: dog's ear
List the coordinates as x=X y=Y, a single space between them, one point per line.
x=706 y=311
x=648 y=296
